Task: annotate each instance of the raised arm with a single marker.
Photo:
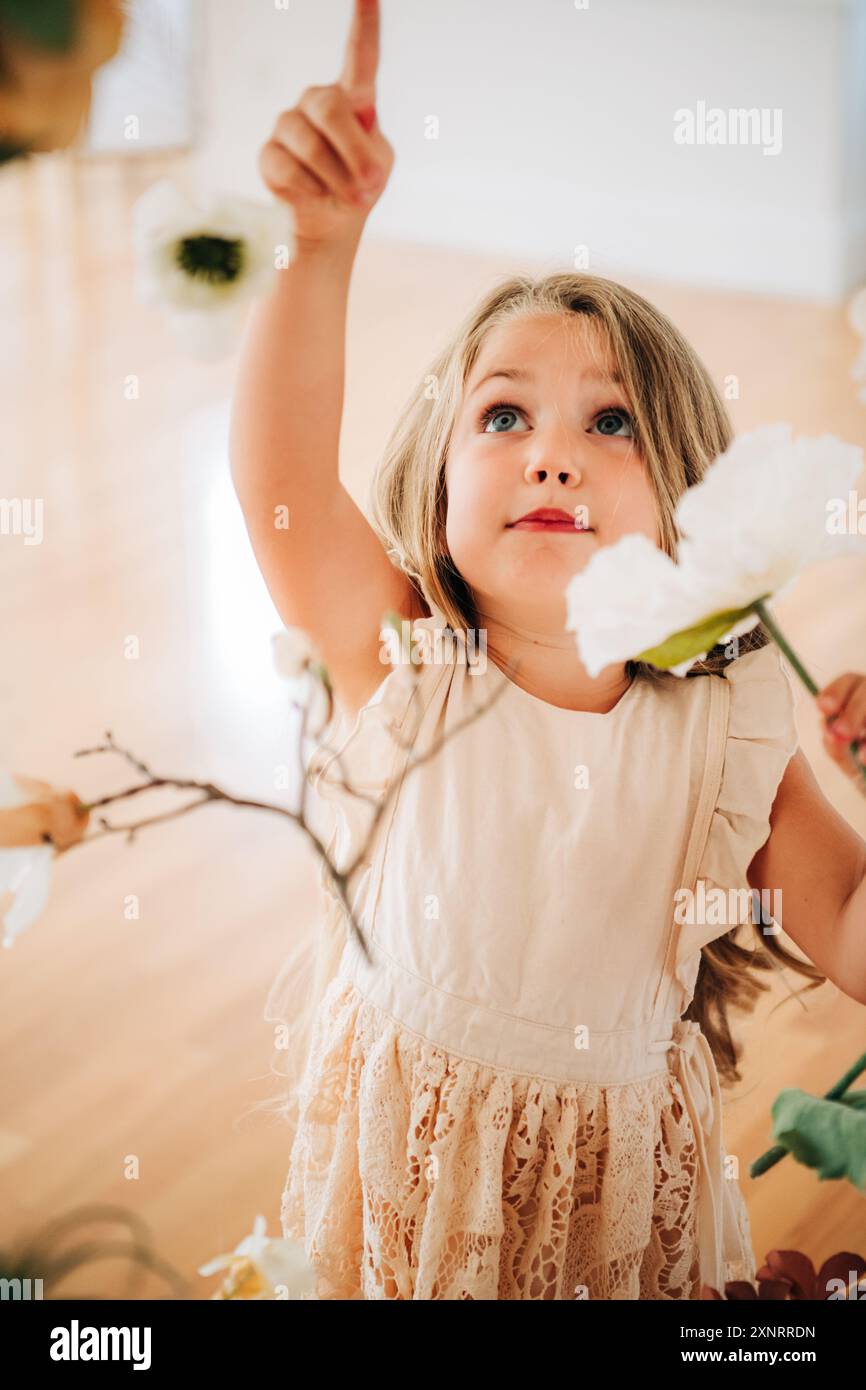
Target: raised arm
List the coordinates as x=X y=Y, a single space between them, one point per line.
x=326 y=570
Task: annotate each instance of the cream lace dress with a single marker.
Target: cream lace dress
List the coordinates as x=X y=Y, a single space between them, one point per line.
x=505 y=1102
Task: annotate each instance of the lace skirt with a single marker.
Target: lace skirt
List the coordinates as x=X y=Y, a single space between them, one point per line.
x=416 y=1173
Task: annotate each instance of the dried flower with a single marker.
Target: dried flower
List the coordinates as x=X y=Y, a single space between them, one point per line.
x=790 y=1276
x=25 y=872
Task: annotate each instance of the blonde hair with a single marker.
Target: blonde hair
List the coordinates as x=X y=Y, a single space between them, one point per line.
x=681 y=425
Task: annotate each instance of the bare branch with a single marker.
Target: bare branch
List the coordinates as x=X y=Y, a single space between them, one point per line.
x=210 y=792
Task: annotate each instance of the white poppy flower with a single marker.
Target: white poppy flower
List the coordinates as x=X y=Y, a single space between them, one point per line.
x=757 y=517
x=760 y=513
x=260 y=1266
x=630 y=597
x=204 y=262
x=25 y=873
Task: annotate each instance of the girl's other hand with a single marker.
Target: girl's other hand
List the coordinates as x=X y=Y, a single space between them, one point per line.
x=843 y=704
x=327 y=157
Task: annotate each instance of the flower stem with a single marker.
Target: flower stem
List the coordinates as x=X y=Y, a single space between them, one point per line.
x=782 y=642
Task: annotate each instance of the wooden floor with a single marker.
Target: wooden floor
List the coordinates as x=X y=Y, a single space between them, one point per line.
x=146 y=1038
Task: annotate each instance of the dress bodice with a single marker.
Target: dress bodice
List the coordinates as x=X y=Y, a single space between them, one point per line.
x=542 y=864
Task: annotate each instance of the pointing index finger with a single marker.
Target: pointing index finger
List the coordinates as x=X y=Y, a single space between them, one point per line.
x=361 y=60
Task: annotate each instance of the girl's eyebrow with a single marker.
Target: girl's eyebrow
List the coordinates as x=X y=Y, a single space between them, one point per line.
x=524 y=374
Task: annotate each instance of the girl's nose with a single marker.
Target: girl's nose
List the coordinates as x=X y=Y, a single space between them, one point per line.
x=564 y=471
x=552 y=454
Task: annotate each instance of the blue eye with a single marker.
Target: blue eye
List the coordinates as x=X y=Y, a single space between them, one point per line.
x=614 y=416
x=493 y=412
x=608 y=422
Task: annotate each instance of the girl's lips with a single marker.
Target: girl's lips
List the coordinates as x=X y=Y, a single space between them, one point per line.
x=534 y=524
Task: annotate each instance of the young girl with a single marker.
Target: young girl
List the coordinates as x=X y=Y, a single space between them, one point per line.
x=514 y=1093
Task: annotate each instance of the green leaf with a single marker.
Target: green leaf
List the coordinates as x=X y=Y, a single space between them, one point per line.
x=681 y=646
x=49 y=24
x=828 y=1135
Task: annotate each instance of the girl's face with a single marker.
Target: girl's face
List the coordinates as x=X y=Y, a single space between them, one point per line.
x=541 y=426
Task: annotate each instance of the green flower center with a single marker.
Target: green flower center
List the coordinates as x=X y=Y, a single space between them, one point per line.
x=216 y=259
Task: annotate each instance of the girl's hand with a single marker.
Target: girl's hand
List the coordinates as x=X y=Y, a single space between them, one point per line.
x=51 y=812
x=327 y=157
x=843 y=702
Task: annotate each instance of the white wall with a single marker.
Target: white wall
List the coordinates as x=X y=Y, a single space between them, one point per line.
x=144 y=99
x=556 y=128
x=853 y=121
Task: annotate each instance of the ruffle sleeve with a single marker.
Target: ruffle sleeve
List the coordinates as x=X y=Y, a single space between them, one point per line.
x=760 y=741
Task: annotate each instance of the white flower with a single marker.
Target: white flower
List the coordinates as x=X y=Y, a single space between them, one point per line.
x=759 y=514
x=25 y=873
x=757 y=517
x=260 y=1266
x=204 y=262
x=298 y=662
x=292 y=651
x=630 y=597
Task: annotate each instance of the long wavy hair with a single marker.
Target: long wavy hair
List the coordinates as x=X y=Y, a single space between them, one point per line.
x=681 y=426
